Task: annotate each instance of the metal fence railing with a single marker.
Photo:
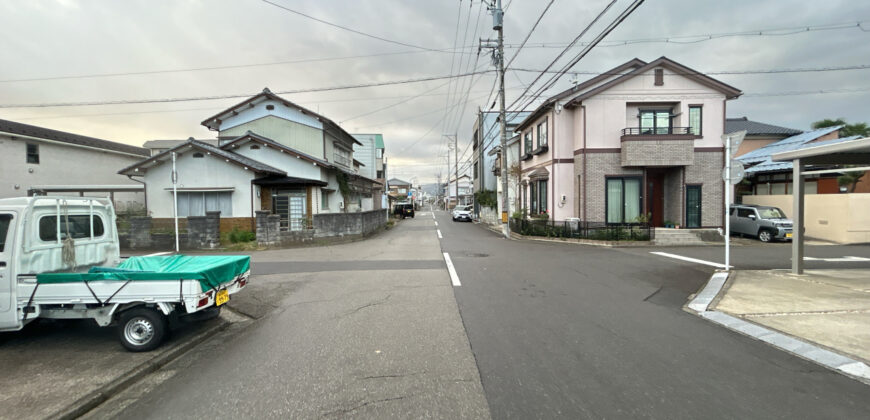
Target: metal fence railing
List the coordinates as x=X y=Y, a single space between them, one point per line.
x=583 y=230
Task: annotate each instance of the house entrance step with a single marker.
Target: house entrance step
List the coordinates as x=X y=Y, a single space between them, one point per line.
x=664 y=236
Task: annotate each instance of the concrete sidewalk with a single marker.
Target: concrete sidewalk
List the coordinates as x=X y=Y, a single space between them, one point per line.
x=828 y=307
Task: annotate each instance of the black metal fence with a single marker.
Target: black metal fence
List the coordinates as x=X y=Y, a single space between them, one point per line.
x=655 y=131
x=583 y=230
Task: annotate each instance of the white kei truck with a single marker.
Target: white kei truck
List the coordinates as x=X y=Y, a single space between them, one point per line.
x=60 y=259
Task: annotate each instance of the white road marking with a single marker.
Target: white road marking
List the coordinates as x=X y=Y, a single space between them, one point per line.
x=844 y=259
x=439 y=233
x=452 y=270
x=159 y=253
x=694 y=260
x=436 y=223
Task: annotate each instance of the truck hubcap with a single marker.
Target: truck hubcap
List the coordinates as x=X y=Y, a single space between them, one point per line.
x=139 y=331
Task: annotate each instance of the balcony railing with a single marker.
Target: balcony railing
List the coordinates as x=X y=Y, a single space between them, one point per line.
x=657 y=131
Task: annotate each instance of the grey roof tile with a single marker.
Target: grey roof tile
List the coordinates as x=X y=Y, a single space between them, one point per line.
x=13 y=127
x=757 y=128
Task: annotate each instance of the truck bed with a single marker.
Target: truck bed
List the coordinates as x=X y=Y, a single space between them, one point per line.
x=159 y=279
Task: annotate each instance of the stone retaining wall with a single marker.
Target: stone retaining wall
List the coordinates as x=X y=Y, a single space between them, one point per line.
x=200 y=232
x=324 y=226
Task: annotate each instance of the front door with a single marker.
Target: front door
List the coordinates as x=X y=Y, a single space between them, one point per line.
x=8 y=314
x=693 y=206
x=289 y=205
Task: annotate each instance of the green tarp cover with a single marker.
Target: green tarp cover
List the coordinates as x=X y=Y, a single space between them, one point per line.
x=210 y=270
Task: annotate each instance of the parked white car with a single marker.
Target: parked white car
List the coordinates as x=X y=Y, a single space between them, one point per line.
x=462 y=213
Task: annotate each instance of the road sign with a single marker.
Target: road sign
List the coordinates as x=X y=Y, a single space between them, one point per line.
x=734 y=139
x=737 y=172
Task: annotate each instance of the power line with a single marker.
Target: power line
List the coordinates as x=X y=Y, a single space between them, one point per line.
x=346 y=28
x=460 y=50
x=693 y=39
x=717 y=72
x=242 y=95
x=529 y=35
x=195 y=69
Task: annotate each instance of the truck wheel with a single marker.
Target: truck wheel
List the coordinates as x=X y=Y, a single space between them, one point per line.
x=141 y=329
x=765 y=235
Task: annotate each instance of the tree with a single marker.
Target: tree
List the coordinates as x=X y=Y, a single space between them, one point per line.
x=850 y=179
x=857 y=129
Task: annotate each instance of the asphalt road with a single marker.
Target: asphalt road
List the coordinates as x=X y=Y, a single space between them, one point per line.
x=360 y=330
x=569 y=331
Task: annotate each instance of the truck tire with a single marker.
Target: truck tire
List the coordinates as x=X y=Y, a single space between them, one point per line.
x=141 y=329
x=765 y=235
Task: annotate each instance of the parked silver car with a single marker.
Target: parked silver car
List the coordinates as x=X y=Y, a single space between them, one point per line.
x=767 y=223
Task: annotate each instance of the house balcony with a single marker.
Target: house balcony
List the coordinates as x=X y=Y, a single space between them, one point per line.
x=661 y=146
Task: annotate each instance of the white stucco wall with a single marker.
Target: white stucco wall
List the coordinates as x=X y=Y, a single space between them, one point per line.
x=616 y=108
x=259 y=111
x=294 y=166
x=206 y=172
x=59 y=164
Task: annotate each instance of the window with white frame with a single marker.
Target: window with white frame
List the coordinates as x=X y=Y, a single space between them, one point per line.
x=527 y=142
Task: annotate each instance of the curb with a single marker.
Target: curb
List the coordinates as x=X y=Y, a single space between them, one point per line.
x=90 y=401
x=798 y=347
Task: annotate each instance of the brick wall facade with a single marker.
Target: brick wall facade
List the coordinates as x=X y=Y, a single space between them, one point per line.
x=658 y=152
x=705 y=171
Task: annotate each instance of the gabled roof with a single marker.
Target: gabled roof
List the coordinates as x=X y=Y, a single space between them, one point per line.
x=760 y=159
x=166 y=144
x=630 y=69
x=16 y=128
x=397 y=181
x=757 y=128
x=214 y=121
x=254 y=137
x=231 y=157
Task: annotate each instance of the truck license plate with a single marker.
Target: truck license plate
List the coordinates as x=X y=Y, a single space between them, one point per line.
x=223 y=296
x=788 y=235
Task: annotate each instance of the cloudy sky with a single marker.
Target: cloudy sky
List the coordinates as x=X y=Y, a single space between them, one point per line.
x=73 y=51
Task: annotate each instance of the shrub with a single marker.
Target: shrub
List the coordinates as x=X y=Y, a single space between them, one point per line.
x=237 y=236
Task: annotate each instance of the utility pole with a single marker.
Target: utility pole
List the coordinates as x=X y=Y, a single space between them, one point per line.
x=456 y=164
x=498 y=58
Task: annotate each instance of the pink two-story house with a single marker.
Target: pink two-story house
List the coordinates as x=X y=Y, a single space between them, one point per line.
x=642 y=139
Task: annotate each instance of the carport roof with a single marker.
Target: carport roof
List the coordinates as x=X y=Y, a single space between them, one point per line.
x=842 y=153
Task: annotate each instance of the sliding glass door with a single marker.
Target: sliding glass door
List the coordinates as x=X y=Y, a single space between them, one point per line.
x=624 y=199
x=655 y=122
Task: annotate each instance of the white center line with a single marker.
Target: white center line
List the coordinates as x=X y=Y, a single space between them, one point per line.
x=694 y=260
x=436 y=223
x=439 y=233
x=452 y=270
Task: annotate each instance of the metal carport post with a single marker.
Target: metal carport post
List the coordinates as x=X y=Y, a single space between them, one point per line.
x=853 y=152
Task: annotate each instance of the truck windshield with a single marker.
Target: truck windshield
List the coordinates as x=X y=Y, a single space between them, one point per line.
x=771 y=213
